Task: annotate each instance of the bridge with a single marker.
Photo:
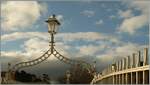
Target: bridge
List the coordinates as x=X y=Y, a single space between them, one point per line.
x=53 y=24
x=130 y=70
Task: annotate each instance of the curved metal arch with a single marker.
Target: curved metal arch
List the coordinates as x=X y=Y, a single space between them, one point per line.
x=72 y=62
x=58 y=56
x=32 y=62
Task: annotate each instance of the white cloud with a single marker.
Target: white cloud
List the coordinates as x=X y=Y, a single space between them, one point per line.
x=20 y=14
x=59 y=17
x=87 y=36
x=32 y=49
x=88 y=13
x=116 y=53
x=99 y=22
x=132 y=24
x=125 y=14
x=89 y=49
x=24 y=35
x=37 y=42
x=105 y=58
x=33 y=44
x=139 y=5
x=14 y=57
x=12 y=54
x=127 y=49
x=35 y=47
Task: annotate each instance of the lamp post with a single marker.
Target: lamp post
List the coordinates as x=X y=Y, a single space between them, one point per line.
x=53 y=24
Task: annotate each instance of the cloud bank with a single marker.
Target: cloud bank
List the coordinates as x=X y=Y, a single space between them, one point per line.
x=20 y=16
x=132 y=23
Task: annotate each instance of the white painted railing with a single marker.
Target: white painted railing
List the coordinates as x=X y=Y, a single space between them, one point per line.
x=130 y=70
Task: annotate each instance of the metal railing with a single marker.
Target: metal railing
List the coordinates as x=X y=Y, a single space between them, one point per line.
x=130 y=70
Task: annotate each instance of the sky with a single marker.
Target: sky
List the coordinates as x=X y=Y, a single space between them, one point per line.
x=101 y=31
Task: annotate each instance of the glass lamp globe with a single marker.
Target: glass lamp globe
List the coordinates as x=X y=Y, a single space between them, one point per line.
x=53 y=24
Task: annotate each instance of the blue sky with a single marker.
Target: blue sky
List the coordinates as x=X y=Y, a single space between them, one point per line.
x=99 y=29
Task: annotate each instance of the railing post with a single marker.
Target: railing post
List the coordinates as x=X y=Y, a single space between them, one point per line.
x=143 y=77
x=137 y=77
x=109 y=70
x=129 y=65
x=113 y=79
x=126 y=76
x=138 y=59
x=125 y=63
x=133 y=60
x=137 y=65
x=126 y=67
x=122 y=79
x=120 y=64
x=145 y=62
x=145 y=58
x=119 y=78
x=117 y=66
x=131 y=78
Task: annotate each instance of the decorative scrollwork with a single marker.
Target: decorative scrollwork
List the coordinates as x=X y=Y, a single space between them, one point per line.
x=33 y=62
x=73 y=62
x=58 y=56
x=53 y=51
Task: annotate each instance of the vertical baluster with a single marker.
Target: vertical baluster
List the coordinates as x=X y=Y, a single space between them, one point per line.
x=145 y=56
x=133 y=60
x=120 y=64
x=129 y=62
x=124 y=63
x=138 y=59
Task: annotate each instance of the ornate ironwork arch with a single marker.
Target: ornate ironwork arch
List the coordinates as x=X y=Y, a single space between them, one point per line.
x=60 y=57
x=53 y=51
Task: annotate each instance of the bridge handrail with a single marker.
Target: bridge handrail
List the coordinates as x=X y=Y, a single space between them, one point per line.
x=124 y=66
x=142 y=68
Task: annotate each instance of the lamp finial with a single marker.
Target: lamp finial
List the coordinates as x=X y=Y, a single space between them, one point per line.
x=53 y=15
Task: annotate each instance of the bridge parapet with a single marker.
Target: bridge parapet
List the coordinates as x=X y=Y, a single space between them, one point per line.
x=130 y=70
